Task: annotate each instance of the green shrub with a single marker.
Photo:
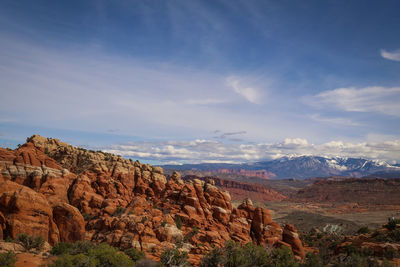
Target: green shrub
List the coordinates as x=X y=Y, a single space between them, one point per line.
x=7 y=259
x=212 y=259
x=119 y=211
x=102 y=255
x=144 y=219
x=134 y=254
x=146 y=263
x=163 y=224
x=389 y=253
x=109 y=256
x=9 y=239
x=30 y=242
x=363 y=230
x=313 y=260
x=80 y=260
x=255 y=255
x=195 y=230
x=174 y=258
x=87 y=216
x=233 y=255
x=283 y=257
x=391 y=225
x=62 y=248
x=80 y=247
x=350 y=250
x=178 y=222
x=250 y=255
x=395 y=235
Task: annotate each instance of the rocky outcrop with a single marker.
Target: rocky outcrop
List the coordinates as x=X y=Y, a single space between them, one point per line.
x=291 y=237
x=241 y=190
x=124 y=203
x=2 y=225
x=26 y=211
x=70 y=222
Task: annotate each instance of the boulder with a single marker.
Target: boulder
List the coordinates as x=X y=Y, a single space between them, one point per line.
x=26 y=211
x=70 y=222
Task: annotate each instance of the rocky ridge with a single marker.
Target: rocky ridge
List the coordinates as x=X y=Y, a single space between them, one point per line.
x=364 y=191
x=241 y=190
x=64 y=193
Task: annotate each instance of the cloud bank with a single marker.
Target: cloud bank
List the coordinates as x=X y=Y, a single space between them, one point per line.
x=200 y=151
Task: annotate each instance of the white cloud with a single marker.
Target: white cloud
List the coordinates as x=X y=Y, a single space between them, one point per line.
x=249 y=93
x=295 y=141
x=368 y=99
x=395 y=55
x=214 y=151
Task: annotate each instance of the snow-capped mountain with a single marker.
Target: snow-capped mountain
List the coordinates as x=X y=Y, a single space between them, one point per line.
x=301 y=167
x=314 y=166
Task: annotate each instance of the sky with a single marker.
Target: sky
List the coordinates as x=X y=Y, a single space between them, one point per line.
x=203 y=81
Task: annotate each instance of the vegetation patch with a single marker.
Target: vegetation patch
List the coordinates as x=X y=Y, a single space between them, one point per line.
x=31 y=242
x=7 y=259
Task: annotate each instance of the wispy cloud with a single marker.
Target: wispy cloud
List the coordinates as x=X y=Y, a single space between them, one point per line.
x=368 y=99
x=85 y=88
x=224 y=135
x=334 y=120
x=251 y=94
x=394 y=55
x=201 y=150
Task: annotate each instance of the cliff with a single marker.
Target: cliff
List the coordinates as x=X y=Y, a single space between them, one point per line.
x=64 y=193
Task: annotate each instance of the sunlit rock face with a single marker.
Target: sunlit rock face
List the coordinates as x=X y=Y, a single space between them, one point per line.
x=65 y=193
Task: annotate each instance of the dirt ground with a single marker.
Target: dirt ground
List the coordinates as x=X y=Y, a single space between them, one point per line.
x=347 y=217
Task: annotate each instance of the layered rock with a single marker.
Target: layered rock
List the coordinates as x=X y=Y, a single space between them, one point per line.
x=124 y=203
x=241 y=190
x=364 y=191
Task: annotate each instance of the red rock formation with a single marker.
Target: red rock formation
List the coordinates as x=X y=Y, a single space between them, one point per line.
x=352 y=190
x=125 y=203
x=291 y=237
x=70 y=222
x=241 y=190
x=26 y=211
x=2 y=225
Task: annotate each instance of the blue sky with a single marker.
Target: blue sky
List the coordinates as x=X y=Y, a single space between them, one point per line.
x=194 y=81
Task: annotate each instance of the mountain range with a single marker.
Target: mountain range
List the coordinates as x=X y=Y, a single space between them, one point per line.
x=302 y=167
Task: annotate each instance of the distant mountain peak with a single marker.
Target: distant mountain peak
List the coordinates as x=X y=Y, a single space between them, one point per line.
x=306 y=166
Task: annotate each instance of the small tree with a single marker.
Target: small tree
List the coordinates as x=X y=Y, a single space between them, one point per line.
x=178 y=222
x=7 y=259
x=30 y=242
x=174 y=258
x=212 y=259
x=134 y=254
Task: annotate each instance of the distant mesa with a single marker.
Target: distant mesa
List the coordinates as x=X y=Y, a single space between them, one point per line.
x=262 y=174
